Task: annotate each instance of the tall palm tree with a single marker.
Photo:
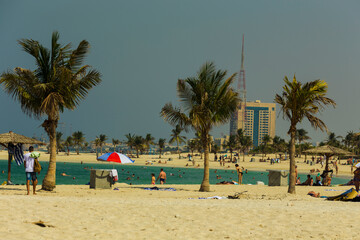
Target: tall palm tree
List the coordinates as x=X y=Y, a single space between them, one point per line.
x=161 y=144
x=299 y=101
x=102 y=138
x=78 y=140
x=59 y=142
x=149 y=140
x=301 y=136
x=176 y=137
x=130 y=141
x=115 y=142
x=208 y=101
x=230 y=145
x=59 y=82
x=215 y=148
x=68 y=143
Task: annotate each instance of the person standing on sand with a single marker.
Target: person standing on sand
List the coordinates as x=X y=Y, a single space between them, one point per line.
x=29 y=170
x=162 y=176
x=240 y=173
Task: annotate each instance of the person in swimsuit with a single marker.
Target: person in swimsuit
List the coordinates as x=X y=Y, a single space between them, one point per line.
x=153 y=178
x=357 y=177
x=162 y=176
x=240 y=173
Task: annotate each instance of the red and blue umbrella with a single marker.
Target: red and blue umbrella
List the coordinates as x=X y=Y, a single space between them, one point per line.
x=115 y=157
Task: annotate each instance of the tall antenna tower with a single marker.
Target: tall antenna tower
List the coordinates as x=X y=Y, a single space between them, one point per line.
x=238 y=118
x=242 y=89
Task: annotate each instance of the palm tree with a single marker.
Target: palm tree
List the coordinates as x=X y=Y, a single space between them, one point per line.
x=299 y=101
x=58 y=142
x=245 y=145
x=59 y=82
x=139 y=143
x=149 y=140
x=230 y=145
x=102 y=138
x=301 y=136
x=115 y=142
x=208 y=101
x=68 y=143
x=176 y=137
x=161 y=144
x=130 y=141
x=265 y=144
x=215 y=148
x=332 y=140
x=192 y=146
x=78 y=139
x=97 y=142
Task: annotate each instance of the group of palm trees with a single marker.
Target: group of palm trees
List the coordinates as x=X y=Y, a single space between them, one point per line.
x=60 y=82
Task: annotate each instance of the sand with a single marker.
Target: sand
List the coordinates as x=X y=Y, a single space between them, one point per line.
x=263 y=212
x=77 y=212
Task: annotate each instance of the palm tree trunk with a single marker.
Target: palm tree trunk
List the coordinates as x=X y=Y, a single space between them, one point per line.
x=160 y=153
x=137 y=153
x=205 y=185
x=49 y=181
x=243 y=156
x=292 y=177
x=9 y=167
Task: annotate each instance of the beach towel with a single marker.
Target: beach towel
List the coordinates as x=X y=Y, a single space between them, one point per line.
x=345 y=196
x=160 y=189
x=114 y=174
x=17 y=152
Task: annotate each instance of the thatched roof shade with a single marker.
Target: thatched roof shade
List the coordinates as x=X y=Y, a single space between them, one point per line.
x=12 y=137
x=328 y=150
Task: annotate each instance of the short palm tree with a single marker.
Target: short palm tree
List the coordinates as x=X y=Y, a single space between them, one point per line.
x=130 y=141
x=115 y=142
x=161 y=144
x=68 y=143
x=265 y=144
x=149 y=140
x=192 y=146
x=301 y=136
x=139 y=144
x=59 y=142
x=59 y=82
x=102 y=138
x=208 y=101
x=97 y=143
x=299 y=101
x=176 y=137
x=230 y=145
x=78 y=140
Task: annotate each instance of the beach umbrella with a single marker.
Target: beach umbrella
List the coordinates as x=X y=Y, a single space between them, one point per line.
x=115 y=157
x=11 y=137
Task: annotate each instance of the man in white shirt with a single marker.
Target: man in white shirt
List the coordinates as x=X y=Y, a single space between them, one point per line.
x=29 y=170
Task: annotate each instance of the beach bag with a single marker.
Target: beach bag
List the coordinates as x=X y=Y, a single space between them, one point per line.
x=37 y=166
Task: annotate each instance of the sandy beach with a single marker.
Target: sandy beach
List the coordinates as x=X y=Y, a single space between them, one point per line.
x=77 y=212
x=262 y=212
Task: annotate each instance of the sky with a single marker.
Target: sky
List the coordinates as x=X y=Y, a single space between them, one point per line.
x=143 y=47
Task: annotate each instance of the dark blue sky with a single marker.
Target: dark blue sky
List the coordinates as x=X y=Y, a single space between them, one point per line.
x=143 y=47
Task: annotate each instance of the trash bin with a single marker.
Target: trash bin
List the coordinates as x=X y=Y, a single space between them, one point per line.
x=100 y=178
x=278 y=177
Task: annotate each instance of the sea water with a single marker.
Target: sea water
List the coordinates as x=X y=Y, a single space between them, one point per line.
x=79 y=174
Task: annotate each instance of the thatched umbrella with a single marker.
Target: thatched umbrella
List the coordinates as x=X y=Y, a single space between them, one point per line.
x=14 y=138
x=328 y=151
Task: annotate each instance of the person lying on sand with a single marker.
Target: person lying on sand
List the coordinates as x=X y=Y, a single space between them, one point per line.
x=314 y=194
x=227 y=183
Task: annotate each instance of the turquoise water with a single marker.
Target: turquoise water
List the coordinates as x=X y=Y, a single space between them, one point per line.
x=142 y=174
